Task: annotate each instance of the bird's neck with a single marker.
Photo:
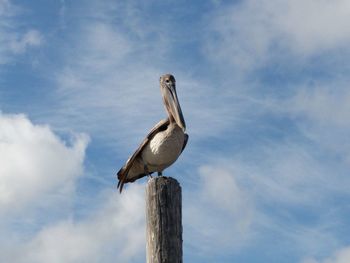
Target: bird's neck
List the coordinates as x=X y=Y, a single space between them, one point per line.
x=167 y=108
x=171 y=118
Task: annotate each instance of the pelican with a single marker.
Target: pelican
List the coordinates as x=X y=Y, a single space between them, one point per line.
x=163 y=144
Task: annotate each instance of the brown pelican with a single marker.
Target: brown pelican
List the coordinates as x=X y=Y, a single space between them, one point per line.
x=163 y=144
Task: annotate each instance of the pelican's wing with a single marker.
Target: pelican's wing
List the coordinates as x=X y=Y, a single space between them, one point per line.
x=185 y=142
x=123 y=172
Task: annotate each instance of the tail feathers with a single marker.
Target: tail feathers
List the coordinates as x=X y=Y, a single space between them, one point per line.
x=121 y=177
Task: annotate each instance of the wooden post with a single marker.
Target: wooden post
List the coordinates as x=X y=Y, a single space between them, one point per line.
x=163 y=215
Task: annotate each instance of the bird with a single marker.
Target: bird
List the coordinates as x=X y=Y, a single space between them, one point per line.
x=163 y=144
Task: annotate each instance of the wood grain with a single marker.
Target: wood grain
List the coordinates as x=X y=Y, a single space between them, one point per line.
x=164 y=220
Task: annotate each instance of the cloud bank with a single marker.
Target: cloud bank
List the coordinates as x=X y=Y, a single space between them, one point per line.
x=39 y=173
x=113 y=232
x=35 y=163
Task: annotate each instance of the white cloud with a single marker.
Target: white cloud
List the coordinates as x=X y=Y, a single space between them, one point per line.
x=321 y=113
x=327 y=104
x=314 y=26
x=31 y=38
x=250 y=33
x=290 y=173
x=39 y=168
x=220 y=188
x=102 y=47
x=6 y=8
x=218 y=215
x=232 y=206
x=114 y=232
x=35 y=163
x=340 y=256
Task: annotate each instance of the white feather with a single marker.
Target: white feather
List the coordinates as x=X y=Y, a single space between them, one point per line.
x=164 y=148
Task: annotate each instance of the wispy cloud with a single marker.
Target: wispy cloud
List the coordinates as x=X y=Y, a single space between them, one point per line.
x=108 y=86
x=14 y=40
x=340 y=256
x=31 y=38
x=62 y=14
x=321 y=113
x=217 y=216
x=250 y=33
x=260 y=195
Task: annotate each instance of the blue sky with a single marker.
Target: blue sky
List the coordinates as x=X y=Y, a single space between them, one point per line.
x=264 y=88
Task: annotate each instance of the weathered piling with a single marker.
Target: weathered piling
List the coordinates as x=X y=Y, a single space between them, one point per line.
x=164 y=220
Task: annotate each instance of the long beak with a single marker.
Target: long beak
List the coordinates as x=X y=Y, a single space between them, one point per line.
x=174 y=106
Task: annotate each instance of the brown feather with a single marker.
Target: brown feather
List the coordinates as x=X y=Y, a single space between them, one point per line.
x=123 y=172
x=185 y=142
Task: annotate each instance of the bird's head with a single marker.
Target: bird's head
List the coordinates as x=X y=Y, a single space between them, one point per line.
x=171 y=102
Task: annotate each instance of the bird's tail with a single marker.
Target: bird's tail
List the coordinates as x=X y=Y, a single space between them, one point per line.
x=122 y=173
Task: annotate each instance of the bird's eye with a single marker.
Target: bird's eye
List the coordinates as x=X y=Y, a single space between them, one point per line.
x=167 y=81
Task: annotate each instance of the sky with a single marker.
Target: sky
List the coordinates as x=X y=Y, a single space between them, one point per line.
x=264 y=89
